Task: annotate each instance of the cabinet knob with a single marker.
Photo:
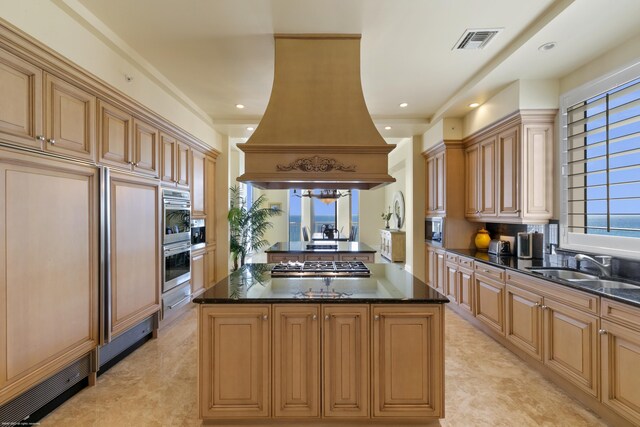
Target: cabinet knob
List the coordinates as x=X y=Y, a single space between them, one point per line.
x=136 y=164
x=376 y=317
x=536 y=304
x=326 y=317
x=602 y=331
x=265 y=317
x=544 y=307
x=51 y=141
x=314 y=317
x=40 y=138
x=518 y=211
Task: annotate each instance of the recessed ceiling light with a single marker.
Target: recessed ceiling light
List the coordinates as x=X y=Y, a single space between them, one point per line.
x=239 y=106
x=474 y=105
x=404 y=105
x=249 y=128
x=547 y=46
x=387 y=128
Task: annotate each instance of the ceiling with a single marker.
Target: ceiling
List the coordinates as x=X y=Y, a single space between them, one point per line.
x=214 y=54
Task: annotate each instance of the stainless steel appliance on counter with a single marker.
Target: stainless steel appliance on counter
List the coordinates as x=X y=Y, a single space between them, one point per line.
x=530 y=245
x=434 y=229
x=198 y=234
x=499 y=247
x=177 y=216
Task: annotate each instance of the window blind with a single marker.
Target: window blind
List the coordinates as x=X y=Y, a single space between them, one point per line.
x=603 y=163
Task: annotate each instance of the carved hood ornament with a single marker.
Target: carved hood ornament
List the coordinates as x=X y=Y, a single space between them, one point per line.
x=316 y=131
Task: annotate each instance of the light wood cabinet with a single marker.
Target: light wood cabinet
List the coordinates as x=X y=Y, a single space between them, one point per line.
x=296 y=360
x=489 y=301
x=198 y=273
x=430 y=264
x=364 y=257
x=145 y=148
x=234 y=361
x=407 y=349
x=210 y=267
x=436 y=182
x=510 y=170
x=524 y=320
x=69 y=119
x=465 y=289
x=440 y=270
x=135 y=251
x=393 y=245
x=49 y=262
x=21 y=101
x=115 y=136
x=174 y=161
x=198 y=184
x=620 y=358
x=345 y=371
x=451 y=281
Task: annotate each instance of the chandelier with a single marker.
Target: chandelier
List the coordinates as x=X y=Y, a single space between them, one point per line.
x=325 y=196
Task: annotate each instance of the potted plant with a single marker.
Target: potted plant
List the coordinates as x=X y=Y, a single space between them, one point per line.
x=247 y=225
x=386 y=216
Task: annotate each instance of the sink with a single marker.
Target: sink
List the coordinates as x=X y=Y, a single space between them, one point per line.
x=604 y=285
x=564 y=274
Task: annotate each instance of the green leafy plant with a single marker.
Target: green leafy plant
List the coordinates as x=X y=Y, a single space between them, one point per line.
x=247 y=225
x=387 y=215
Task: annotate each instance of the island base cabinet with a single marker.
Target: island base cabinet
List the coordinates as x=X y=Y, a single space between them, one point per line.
x=296 y=364
x=408 y=357
x=345 y=371
x=620 y=352
x=234 y=361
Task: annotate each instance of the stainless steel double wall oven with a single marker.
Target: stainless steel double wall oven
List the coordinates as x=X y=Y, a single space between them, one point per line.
x=176 y=238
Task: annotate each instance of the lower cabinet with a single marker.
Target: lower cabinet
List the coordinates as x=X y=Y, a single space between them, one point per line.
x=489 y=296
x=408 y=351
x=465 y=289
x=451 y=281
x=524 y=320
x=430 y=264
x=439 y=276
x=313 y=361
x=49 y=268
x=236 y=345
x=198 y=273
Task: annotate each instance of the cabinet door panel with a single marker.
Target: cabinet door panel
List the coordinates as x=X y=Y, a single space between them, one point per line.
x=197 y=274
x=620 y=350
x=570 y=345
x=296 y=364
x=168 y=159
x=70 y=118
x=431 y=185
x=210 y=268
x=489 y=296
x=407 y=359
x=135 y=268
x=440 y=183
x=440 y=271
x=183 y=160
x=115 y=136
x=236 y=348
x=488 y=177
x=49 y=264
x=198 y=184
x=145 y=148
x=451 y=282
x=508 y=165
x=465 y=289
x=471 y=162
x=431 y=267
x=345 y=370
x=210 y=198
x=21 y=100
x=524 y=320
x=537 y=185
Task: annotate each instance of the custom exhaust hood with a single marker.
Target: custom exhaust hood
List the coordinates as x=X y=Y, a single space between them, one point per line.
x=316 y=131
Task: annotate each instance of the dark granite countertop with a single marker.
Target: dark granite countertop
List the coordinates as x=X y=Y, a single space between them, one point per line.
x=301 y=247
x=388 y=284
x=628 y=296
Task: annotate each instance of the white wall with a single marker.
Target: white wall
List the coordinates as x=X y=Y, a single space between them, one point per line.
x=87 y=48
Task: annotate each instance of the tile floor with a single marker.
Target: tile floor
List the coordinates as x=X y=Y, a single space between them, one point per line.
x=486 y=385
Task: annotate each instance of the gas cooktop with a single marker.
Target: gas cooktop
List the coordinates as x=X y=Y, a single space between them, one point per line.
x=321 y=269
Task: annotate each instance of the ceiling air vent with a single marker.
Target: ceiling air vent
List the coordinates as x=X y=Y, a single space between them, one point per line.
x=476 y=39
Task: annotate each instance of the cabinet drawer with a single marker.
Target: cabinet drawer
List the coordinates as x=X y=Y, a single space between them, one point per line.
x=357 y=257
x=452 y=257
x=465 y=262
x=620 y=313
x=489 y=271
x=274 y=258
x=321 y=257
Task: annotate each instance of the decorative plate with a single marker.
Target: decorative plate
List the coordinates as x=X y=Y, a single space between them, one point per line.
x=398 y=208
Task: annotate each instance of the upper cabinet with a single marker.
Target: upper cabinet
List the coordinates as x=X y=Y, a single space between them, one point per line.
x=126 y=142
x=174 y=162
x=198 y=185
x=436 y=183
x=509 y=170
x=59 y=119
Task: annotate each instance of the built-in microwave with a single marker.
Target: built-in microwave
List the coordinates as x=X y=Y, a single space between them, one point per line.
x=434 y=229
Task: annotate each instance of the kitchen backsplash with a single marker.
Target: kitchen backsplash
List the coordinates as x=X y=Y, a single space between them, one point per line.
x=620 y=267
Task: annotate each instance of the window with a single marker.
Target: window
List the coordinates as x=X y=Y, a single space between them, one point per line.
x=322 y=215
x=601 y=164
x=295 y=216
x=355 y=212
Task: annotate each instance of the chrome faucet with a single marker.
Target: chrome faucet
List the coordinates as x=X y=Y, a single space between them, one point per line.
x=603 y=263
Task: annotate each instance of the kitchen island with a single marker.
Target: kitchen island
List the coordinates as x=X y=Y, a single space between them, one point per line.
x=321 y=350
x=320 y=250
